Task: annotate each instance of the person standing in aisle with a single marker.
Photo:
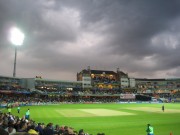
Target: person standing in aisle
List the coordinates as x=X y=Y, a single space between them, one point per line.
x=149 y=130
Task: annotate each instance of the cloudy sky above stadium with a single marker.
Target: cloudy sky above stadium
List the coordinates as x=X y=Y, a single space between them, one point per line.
x=141 y=37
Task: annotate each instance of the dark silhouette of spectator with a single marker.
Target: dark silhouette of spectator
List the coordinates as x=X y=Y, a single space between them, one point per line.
x=3 y=132
x=23 y=127
x=81 y=132
x=10 y=129
x=48 y=130
x=39 y=128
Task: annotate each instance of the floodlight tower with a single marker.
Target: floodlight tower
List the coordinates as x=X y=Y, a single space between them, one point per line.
x=16 y=38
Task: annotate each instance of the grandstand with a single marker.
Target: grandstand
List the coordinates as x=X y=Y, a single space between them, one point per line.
x=92 y=86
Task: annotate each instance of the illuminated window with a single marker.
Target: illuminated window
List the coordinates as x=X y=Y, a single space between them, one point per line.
x=111 y=76
x=100 y=86
x=110 y=86
x=92 y=75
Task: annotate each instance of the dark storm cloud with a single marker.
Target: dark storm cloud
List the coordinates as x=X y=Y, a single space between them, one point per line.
x=64 y=36
x=132 y=24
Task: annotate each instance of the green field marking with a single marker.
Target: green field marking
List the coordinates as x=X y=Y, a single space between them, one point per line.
x=155 y=109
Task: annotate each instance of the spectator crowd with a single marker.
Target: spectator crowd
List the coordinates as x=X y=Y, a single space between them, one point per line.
x=13 y=125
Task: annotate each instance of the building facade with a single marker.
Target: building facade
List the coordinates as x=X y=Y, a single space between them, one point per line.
x=94 y=82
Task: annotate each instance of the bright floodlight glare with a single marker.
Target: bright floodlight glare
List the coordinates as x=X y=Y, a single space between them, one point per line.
x=16 y=36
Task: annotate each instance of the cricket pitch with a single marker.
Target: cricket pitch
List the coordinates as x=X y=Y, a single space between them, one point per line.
x=91 y=112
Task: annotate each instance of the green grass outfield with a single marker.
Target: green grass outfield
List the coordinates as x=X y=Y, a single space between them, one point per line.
x=112 y=119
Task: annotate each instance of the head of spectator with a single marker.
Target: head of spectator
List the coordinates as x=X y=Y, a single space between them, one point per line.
x=10 y=129
x=57 y=129
x=48 y=130
x=71 y=131
x=39 y=128
x=50 y=125
x=23 y=126
x=42 y=125
x=81 y=132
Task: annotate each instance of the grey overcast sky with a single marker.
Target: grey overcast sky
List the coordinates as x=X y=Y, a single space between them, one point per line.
x=141 y=37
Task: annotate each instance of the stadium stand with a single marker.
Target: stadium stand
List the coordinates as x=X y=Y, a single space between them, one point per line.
x=92 y=86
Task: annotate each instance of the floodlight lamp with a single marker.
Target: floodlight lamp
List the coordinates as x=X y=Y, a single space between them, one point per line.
x=16 y=36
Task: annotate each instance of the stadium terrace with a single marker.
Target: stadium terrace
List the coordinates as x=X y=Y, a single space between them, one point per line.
x=95 y=86
x=97 y=95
